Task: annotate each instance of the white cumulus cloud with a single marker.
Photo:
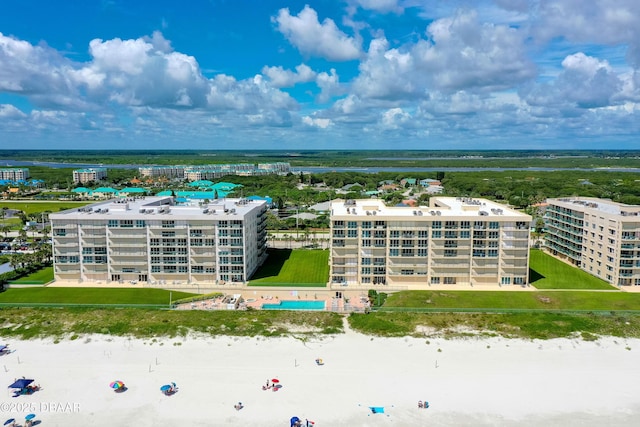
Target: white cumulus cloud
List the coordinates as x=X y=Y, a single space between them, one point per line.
x=287 y=78
x=311 y=37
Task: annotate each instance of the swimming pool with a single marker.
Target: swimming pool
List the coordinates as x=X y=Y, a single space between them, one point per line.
x=295 y=305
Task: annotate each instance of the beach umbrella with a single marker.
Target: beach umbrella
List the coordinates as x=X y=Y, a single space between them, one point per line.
x=294 y=421
x=116 y=385
x=30 y=417
x=275 y=380
x=21 y=383
x=9 y=421
x=165 y=387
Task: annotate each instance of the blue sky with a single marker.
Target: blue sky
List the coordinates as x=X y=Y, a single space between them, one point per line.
x=355 y=74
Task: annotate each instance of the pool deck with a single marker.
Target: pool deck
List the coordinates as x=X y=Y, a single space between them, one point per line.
x=359 y=303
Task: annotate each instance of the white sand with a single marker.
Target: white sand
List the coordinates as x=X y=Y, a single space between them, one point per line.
x=467 y=382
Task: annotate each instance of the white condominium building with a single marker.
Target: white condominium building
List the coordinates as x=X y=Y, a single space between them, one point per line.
x=153 y=239
x=599 y=236
x=81 y=176
x=452 y=241
x=14 y=174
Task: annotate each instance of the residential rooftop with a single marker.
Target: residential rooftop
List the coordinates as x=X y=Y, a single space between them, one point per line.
x=605 y=206
x=160 y=208
x=447 y=206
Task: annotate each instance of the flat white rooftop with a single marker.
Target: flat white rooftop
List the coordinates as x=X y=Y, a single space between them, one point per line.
x=161 y=208
x=439 y=206
x=598 y=205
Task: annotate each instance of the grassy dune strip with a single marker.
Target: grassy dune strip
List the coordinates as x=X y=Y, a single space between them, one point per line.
x=516 y=325
x=25 y=323
x=540 y=300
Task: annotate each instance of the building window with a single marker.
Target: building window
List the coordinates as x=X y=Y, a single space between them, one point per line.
x=436 y=234
x=394 y=252
x=505 y=280
x=450 y=252
x=435 y=280
x=449 y=280
x=365 y=261
x=479 y=253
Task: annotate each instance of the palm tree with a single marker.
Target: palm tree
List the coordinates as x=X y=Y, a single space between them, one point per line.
x=4 y=228
x=14 y=260
x=33 y=230
x=45 y=253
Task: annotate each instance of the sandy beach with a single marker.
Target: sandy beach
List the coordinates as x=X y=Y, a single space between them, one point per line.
x=493 y=382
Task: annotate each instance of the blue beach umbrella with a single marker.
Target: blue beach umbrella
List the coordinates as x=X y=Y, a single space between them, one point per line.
x=165 y=387
x=21 y=383
x=30 y=417
x=9 y=421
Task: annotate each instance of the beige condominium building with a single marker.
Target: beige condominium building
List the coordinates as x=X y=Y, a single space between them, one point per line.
x=14 y=174
x=81 y=176
x=156 y=240
x=453 y=241
x=599 y=236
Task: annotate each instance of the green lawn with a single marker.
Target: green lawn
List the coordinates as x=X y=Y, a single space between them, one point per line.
x=546 y=272
x=541 y=300
x=42 y=295
x=33 y=206
x=39 y=277
x=286 y=267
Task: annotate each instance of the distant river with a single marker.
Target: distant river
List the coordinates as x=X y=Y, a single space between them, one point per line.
x=322 y=169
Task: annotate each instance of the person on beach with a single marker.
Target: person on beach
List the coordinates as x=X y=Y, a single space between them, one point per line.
x=238 y=406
